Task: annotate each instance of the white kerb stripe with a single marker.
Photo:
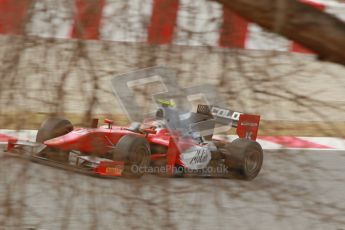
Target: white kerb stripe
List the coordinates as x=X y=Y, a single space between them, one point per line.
x=51 y=19
x=198 y=23
x=126 y=20
x=333 y=142
x=259 y=39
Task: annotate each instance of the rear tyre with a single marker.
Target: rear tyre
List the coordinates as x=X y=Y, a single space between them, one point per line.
x=135 y=152
x=244 y=157
x=51 y=128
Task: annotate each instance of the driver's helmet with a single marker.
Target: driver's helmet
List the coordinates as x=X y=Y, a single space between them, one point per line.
x=165 y=105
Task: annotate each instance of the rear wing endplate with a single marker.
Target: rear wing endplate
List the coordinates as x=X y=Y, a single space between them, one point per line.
x=248 y=126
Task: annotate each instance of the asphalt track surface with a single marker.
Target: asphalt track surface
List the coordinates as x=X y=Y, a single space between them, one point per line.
x=295 y=190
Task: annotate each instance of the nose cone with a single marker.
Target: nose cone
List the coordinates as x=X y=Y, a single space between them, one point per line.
x=55 y=142
x=65 y=142
x=83 y=140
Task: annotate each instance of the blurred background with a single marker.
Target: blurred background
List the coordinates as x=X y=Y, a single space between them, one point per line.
x=58 y=57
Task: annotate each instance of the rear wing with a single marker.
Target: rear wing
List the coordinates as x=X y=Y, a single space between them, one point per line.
x=247 y=125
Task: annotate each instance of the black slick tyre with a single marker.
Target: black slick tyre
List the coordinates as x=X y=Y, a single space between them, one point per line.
x=245 y=157
x=135 y=152
x=51 y=128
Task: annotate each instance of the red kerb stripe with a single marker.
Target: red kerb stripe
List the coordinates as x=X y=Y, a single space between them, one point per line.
x=163 y=21
x=233 y=30
x=87 y=19
x=13 y=16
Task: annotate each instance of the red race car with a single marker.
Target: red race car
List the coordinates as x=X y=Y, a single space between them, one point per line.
x=164 y=145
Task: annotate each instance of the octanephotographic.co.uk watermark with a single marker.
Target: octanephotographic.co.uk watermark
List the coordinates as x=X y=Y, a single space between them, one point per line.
x=218 y=170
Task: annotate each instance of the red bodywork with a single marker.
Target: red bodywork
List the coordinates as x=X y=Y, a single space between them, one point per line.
x=101 y=140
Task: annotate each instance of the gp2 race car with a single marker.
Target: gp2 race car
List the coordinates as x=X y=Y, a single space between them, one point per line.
x=174 y=149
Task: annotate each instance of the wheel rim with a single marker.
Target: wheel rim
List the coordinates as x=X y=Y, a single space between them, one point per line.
x=138 y=156
x=252 y=162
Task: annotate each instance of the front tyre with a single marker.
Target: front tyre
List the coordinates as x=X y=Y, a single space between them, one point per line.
x=135 y=152
x=51 y=128
x=245 y=157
